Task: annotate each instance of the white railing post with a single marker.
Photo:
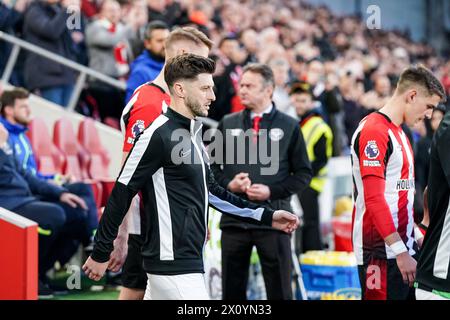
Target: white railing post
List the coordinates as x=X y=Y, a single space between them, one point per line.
x=10 y=64
x=76 y=91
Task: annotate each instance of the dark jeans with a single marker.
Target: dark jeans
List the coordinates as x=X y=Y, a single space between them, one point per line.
x=64 y=228
x=274 y=251
x=58 y=94
x=310 y=232
x=109 y=100
x=85 y=192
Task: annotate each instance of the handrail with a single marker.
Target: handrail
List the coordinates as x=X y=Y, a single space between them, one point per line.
x=83 y=70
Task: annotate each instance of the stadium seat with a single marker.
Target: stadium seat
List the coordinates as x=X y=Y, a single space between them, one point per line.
x=98 y=161
x=49 y=159
x=76 y=158
x=65 y=139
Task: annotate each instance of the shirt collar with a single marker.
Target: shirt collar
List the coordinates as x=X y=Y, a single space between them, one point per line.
x=267 y=110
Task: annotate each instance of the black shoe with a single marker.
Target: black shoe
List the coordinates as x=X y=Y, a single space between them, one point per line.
x=55 y=288
x=44 y=292
x=58 y=290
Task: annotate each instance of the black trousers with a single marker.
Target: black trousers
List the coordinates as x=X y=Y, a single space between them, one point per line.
x=310 y=232
x=65 y=226
x=274 y=250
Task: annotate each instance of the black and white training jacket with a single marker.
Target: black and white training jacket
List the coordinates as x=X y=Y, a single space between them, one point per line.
x=170 y=165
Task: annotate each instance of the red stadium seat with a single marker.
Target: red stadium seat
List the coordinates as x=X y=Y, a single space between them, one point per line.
x=98 y=160
x=49 y=159
x=75 y=157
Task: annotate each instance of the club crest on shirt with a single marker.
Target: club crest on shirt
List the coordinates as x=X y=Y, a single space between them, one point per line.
x=371 y=151
x=276 y=134
x=137 y=128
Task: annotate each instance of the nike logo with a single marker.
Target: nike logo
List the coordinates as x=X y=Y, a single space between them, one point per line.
x=185 y=153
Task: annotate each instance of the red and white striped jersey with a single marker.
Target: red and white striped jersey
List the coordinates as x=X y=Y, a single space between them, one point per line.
x=381 y=148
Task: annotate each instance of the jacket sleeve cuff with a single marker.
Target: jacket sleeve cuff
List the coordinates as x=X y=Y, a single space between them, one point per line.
x=226 y=182
x=99 y=257
x=276 y=192
x=266 y=217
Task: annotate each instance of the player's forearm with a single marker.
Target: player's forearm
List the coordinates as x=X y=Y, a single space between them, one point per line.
x=108 y=229
x=377 y=207
x=123 y=230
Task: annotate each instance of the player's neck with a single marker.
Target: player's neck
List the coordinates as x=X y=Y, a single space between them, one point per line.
x=181 y=108
x=159 y=81
x=394 y=109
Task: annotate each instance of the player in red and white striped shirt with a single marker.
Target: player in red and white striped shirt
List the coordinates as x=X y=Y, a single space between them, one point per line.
x=383 y=176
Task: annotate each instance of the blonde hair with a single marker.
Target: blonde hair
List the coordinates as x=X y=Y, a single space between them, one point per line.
x=188 y=34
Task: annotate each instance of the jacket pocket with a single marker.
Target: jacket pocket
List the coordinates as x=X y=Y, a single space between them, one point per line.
x=191 y=236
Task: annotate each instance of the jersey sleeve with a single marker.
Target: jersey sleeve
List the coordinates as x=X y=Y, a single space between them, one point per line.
x=143 y=111
x=374 y=148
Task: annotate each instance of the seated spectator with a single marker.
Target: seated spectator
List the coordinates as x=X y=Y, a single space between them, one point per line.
x=45 y=26
x=15 y=117
x=61 y=215
x=148 y=65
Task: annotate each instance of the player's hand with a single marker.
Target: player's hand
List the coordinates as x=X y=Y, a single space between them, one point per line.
x=258 y=192
x=119 y=254
x=94 y=270
x=407 y=266
x=240 y=183
x=285 y=221
x=73 y=200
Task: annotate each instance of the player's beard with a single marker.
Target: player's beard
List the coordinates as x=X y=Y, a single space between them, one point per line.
x=196 y=108
x=22 y=121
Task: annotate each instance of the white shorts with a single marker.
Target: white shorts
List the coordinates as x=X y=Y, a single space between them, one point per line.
x=189 y=286
x=426 y=295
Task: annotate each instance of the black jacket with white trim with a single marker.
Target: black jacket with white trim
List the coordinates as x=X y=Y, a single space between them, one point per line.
x=170 y=165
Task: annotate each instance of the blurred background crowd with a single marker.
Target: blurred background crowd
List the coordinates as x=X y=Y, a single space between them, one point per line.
x=351 y=68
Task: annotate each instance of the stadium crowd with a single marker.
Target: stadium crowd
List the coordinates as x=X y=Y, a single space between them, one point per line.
x=350 y=69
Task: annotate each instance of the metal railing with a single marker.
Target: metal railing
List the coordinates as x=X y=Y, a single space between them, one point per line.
x=84 y=71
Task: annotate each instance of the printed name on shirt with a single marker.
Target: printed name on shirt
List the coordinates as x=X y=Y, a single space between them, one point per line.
x=371 y=163
x=405 y=184
x=371 y=151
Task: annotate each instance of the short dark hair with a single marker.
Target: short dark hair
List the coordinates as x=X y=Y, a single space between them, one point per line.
x=301 y=87
x=9 y=98
x=187 y=66
x=262 y=69
x=227 y=38
x=420 y=75
x=154 y=25
x=189 y=34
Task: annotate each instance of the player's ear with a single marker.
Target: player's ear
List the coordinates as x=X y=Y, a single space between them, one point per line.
x=179 y=90
x=411 y=96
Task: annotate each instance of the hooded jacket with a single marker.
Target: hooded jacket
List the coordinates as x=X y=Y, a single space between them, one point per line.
x=144 y=69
